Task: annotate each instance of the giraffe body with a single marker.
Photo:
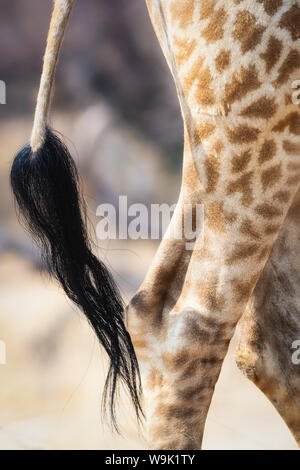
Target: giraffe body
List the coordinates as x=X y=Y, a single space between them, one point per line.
x=233 y=64
x=271 y=324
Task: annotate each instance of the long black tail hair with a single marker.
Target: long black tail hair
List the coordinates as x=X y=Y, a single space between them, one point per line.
x=45 y=184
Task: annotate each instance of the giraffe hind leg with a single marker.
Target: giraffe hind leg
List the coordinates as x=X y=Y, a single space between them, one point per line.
x=271 y=324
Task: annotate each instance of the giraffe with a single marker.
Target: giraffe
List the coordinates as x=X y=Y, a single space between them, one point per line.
x=233 y=64
x=271 y=324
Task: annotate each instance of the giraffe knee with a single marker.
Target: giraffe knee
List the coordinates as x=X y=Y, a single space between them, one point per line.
x=246 y=360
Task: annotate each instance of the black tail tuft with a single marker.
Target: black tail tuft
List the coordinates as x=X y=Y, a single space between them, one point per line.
x=46 y=188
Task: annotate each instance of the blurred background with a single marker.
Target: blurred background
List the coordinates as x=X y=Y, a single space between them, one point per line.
x=116 y=103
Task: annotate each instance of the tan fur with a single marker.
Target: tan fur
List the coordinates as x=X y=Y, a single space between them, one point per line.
x=238 y=164
x=271 y=324
x=61 y=13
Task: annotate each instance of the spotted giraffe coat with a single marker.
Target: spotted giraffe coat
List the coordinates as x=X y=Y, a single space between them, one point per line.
x=234 y=63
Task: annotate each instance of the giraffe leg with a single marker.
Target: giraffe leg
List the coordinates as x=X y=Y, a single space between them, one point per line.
x=241 y=146
x=178 y=376
x=271 y=324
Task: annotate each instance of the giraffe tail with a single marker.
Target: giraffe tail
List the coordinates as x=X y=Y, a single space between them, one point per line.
x=45 y=184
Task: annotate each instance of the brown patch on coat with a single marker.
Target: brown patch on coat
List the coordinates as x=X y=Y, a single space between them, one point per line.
x=288 y=99
x=290 y=64
x=173 y=362
x=183 y=12
x=247 y=228
x=215 y=28
x=191 y=177
x=267 y=151
x=247 y=31
x=138 y=341
x=194 y=333
x=292 y=121
x=267 y=211
x=272 y=229
x=183 y=50
x=290 y=20
x=241 y=84
x=271 y=6
x=282 y=196
x=242 y=185
x=242 y=251
x=291 y=148
x=191 y=369
x=293 y=180
x=222 y=60
x=181 y=411
x=204 y=93
x=208 y=295
x=212 y=171
x=192 y=75
x=272 y=53
x=294 y=213
x=207 y=9
x=230 y=217
x=293 y=166
x=202 y=132
x=262 y=108
x=240 y=162
x=242 y=289
x=242 y=134
x=191 y=392
x=271 y=176
x=215 y=218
